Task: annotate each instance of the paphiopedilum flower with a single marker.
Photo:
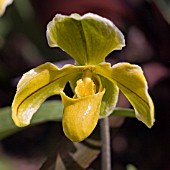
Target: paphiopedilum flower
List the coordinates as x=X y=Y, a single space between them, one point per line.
x=3 y=5
x=95 y=83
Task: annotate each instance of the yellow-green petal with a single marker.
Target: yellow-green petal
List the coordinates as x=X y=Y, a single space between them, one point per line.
x=3 y=5
x=110 y=97
x=36 y=86
x=131 y=81
x=88 y=38
x=80 y=115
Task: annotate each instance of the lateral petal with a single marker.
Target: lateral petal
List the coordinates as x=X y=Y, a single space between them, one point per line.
x=131 y=81
x=110 y=97
x=36 y=86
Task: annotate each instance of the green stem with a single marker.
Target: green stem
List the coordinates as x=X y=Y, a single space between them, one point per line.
x=106 y=150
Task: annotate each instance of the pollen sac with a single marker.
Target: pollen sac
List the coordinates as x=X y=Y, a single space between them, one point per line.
x=81 y=114
x=85 y=87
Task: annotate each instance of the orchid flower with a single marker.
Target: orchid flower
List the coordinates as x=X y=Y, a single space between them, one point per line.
x=88 y=39
x=3 y=5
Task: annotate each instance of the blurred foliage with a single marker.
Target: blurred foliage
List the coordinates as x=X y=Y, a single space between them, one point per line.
x=20 y=24
x=62 y=157
x=164 y=7
x=49 y=111
x=5 y=164
x=76 y=156
x=131 y=167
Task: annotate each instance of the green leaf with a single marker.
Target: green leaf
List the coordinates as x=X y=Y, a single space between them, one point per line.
x=88 y=38
x=36 y=86
x=110 y=97
x=131 y=81
x=49 y=111
x=126 y=112
x=7 y=126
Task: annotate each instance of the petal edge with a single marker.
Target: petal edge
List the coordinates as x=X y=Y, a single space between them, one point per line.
x=131 y=81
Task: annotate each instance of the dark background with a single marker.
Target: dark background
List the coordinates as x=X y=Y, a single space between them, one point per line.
x=145 y=25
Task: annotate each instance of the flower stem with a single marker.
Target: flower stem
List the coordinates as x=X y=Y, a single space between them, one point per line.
x=106 y=150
